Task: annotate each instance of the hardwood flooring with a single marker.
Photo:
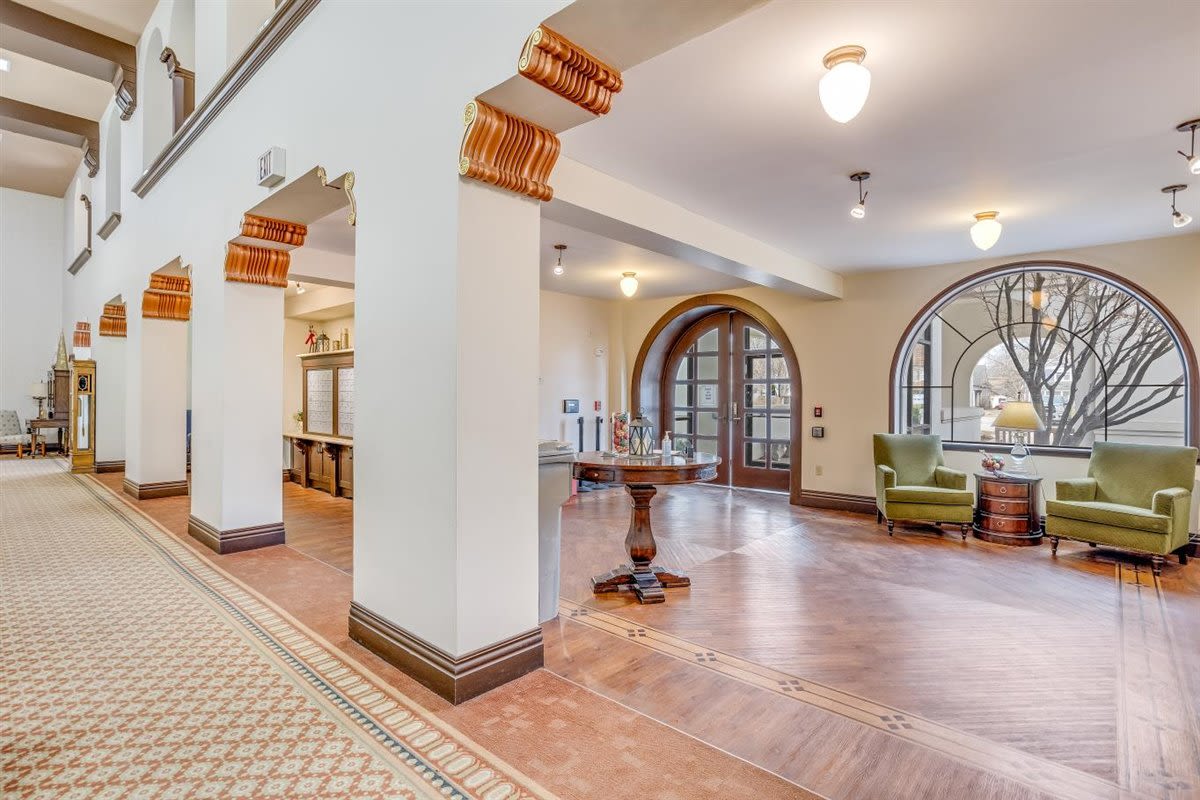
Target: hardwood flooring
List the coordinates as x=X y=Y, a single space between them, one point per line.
x=813 y=646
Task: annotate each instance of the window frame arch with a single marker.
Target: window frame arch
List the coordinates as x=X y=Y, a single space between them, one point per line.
x=1187 y=353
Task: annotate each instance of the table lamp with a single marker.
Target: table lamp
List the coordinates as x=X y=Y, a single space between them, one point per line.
x=37 y=390
x=1019 y=415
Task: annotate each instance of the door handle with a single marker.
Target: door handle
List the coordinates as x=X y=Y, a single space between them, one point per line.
x=736 y=416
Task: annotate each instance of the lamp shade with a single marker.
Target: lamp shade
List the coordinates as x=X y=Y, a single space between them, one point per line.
x=1019 y=415
x=37 y=389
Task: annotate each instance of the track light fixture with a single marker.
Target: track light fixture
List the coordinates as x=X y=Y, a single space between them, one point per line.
x=860 y=210
x=558 y=268
x=1193 y=158
x=300 y=289
x=1178 y=218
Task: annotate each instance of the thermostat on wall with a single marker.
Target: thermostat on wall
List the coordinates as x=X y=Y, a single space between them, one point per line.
x=818 y=432
x=570 y=406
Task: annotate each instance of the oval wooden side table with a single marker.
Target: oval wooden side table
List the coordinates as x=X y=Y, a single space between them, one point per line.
x=1008 y=508
x=640 y=475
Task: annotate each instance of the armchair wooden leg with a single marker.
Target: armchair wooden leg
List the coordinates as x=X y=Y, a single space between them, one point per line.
x=1091 y=544
x=1053 y=545
x=1156 y=564
x=1182 y=557
x=891 y=525
x=965 y=528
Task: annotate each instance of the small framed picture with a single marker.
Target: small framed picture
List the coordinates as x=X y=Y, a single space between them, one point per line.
x=818 y=432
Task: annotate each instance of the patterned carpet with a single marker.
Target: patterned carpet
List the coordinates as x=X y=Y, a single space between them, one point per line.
x=129 y=667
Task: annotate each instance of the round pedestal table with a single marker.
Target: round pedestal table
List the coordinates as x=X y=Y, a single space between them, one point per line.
x=640 y=476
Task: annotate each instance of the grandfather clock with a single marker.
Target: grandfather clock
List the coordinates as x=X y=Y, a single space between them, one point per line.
x=83 y=415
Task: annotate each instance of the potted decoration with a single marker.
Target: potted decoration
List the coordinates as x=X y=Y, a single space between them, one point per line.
x=298 y=417
x=620 y=433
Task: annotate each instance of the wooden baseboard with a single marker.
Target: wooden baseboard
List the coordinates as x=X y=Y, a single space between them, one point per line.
x=456 y=678
x=149 y=491
x=110 y=466
x=858 y=503
x=287 y=474
x=235 y=540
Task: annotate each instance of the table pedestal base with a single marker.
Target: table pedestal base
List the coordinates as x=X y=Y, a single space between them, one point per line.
x=647 y=581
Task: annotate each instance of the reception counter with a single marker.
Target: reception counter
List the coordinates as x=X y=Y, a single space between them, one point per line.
x=323 y=462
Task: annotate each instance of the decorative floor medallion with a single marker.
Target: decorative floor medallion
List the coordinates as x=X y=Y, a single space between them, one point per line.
x=132 y=667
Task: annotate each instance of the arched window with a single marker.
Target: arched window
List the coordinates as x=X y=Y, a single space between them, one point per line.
x=1099 y=359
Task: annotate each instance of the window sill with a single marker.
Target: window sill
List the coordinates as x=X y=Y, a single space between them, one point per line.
x=1000 y=447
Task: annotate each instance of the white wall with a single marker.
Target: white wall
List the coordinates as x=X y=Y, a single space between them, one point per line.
x=31 y=283
x=572 y=329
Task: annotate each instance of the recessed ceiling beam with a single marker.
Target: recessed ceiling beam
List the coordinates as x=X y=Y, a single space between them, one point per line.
x=53 y=126
x=32 y=33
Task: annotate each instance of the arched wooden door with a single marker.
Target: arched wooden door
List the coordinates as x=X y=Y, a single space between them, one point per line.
x=727 y=390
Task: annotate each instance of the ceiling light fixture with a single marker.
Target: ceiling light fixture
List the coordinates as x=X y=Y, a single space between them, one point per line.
x=300 y=289
x=860 y=210
x=5 y=65
x=629 y=283
x=558 y=268
x=1193 y=158
x=986 y=230
x=1178 y=218
x=844 y=88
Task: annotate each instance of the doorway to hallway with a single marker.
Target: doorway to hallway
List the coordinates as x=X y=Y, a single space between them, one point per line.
x=727 y=390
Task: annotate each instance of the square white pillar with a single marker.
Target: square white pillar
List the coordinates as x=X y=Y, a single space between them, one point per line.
x=156 y=392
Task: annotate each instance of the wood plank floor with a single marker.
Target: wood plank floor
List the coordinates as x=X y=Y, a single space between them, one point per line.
x=812 y=645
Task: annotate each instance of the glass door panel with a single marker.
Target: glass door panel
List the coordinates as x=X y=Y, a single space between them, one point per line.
x=696 y=391
x=761 y=444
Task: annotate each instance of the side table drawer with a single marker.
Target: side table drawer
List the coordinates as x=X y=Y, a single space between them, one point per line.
x=1004 y=506
x=594 y=474
x=1001 y=489
x=1003 y=524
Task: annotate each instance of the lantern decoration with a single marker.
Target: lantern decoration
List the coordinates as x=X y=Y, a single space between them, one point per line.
x=641 y=437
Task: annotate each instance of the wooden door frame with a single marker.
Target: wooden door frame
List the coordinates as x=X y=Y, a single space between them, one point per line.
x=667 y=384
x=645 y=388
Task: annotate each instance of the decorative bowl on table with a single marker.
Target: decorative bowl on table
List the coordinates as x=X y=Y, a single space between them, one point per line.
x=991 y=462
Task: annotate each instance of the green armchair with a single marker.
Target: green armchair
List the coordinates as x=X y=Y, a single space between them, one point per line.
x=1136 y=497
x=912 y=482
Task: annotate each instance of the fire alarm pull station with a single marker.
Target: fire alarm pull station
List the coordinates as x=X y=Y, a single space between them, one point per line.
x=597 y=405
x=818 y=411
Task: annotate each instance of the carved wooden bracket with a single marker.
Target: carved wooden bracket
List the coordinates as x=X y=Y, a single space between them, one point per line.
x=112 y=320
x=507 y=151
x=274 y=230
x=552 y=60
x=169 y=297
x=246 y=263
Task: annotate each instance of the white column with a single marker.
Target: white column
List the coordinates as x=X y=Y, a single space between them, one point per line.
x=156 y=407
x=445 y=523
x=109 y=353
x=237 y=391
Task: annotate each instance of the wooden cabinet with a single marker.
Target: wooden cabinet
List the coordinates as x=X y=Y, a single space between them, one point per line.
x=323 y=455
x=322 y=462
x=1007 y=510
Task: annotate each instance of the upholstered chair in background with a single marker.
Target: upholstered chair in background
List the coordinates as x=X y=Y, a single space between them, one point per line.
x=912 y=482
x=12 y=432
x=1136 y=497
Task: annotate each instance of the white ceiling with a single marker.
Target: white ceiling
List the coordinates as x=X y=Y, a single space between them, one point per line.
x=118 y=19
x=35 y=165
x=1059 y=115
x=332 y=234
x=49 y=86
x=593 y=265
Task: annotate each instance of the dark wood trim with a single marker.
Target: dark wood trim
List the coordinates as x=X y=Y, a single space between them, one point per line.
x=110 y=466
x=149 y=491
x=858 y=503
x=456 y=678
x=287 y=474
x=1185 y=344
x=651 y=360
x=286 y=18
x=80 y=260
x=110 y=225
x=53 y=126
x=235 y=540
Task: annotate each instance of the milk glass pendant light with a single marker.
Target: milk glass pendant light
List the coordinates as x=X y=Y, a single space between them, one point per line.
x=986 y=230
x=1178 y=218
x=1193 y=158
x=860 y=210
x=558 y=268
x=629 y=283
x=844 y=88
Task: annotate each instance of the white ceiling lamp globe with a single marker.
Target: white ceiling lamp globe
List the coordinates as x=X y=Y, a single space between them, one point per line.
x=844 y=88
x=986 y=230
x=1194 y=165
x=629 y=283
x=1179 y=219
x=859 y=211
